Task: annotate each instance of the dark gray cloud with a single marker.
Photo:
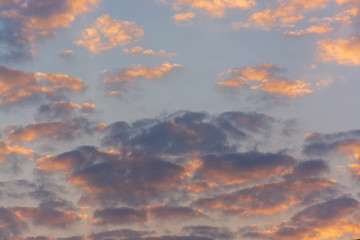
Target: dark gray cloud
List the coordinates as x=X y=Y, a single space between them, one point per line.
x=62 y=111
x=186 y=132
x=131 y=177
x=309 y=168
x=232 y=168
x=23 y=23
x=266 y=199
x=210 y=231
x=123 y=215
x=164 y=212
x=317 y=144
x=126 y=234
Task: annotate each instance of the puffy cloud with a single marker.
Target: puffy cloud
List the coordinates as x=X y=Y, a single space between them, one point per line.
x=108 y=33
x=28 y=21
x=10 y=223
x=216 y=8
x=341 y=51
x=238 y=168
x=109 y=177
x=48 y=130
x=118 y=80
x=18 y=86
x=263 y=77
x=189 y=132
x=62 y=110
x=265 y=199
x=141 y=51
x=285 y=14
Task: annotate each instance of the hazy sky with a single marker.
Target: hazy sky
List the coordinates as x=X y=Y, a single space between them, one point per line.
x=179 y=119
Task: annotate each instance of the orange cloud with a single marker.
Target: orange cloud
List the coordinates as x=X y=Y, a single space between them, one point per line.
x=183 y=17
x=342 y=51
x=350 y=148
x=40 y=19
x=6 y=151
x=263 y=74
x=108 y=33
x=286 y=14
x=16 y=85
x=62 y=81
x=216 y=8
x=118 y=81
x=142 y=51
x=36 y=131
x=46 y=216
x=320 y=29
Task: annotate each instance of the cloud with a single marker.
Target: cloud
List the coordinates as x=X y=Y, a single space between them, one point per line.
x=7 y=151
x=215 y=9
x=109 y=177
x=309 y=168
x=341 y=51
x=25 y=22
x=66 y=54
x=118 y=80
x=141 y=51
x=183 y=17
x=318 y=29
x=347 y=143
x=263 y=77
x=238 y=168
x=123 y=215
x=285 y=14
x=210 y=231
x=20 y=87
x=49 y=130
x=108 y=33
x=190 y=132
x=46 y=216
x=62 y=110
x=271 y=198
x=325 y=220
x=164 y=213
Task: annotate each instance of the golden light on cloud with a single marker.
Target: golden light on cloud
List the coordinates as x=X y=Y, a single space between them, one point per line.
x=341 y=51
x=108 y=33
x=262 y=77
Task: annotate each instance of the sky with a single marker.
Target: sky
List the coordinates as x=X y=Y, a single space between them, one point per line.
x=179 y=119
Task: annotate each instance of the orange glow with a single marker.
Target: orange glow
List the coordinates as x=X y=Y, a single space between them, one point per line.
x=351 y=149
x=342 y=51
x=137 y=71
x=108 y=33
x=183 y=17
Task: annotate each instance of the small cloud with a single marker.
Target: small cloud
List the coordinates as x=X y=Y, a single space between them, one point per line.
x=107 y=33
x=183 y=17
x=141 y=51
x=263 y=77
x=341 y=51
x=319 y=29
x=66 y=54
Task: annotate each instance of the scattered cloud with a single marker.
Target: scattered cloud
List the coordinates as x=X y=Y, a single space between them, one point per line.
x=118 y=80
x=141 y=51
x=263 y=77
x=20 y=87
x=215 y=9
x=108 y=33
x=318 y=29
x=66 y=54
x=26 y=22
x=341 y=51
x=183 y=17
